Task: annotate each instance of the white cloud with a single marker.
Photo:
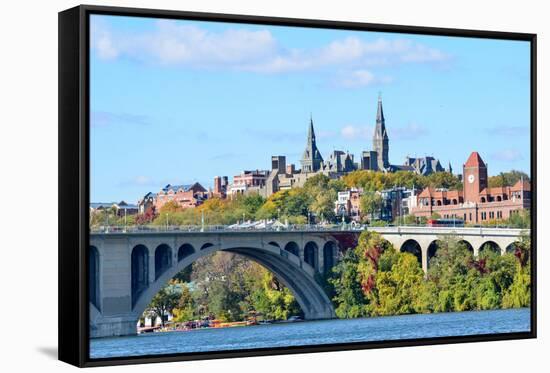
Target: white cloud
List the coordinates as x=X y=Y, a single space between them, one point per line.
x=411 y=131
x=507 y=155
x=508 y=131
x=363 y=132
x=139 y=180
x=380 y=52
x=174 y=43
x=361 y=78
x=352 y=132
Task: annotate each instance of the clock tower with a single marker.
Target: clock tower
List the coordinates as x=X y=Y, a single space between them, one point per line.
x=474 y=177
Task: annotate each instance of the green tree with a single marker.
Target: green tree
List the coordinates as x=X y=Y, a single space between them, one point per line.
x=323 y=204
x=521 y=219
x=507 y=178
x=370 y=203
x=349 y=299
x=185 y=309
x=398 y=284
x=273 y=300
x=448 y=269
x=252 y=203
x=519 y=292
x=443 y=180
x=164 y=302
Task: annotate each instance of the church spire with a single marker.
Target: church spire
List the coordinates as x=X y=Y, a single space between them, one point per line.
x=380 y=112
x=311 y=132
x=312 y=159
x=380 y=139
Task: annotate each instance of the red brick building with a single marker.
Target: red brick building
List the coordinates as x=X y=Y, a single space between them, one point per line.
x=248 y=180
x=477 y=202
x=185 y=196
x=220 y=186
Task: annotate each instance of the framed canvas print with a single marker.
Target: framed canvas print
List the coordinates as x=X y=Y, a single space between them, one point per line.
x=237 y=185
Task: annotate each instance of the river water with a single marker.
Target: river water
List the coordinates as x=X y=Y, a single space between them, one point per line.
x=315 y=333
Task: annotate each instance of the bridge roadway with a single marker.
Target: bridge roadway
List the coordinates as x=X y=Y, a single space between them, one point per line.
x=128 y=266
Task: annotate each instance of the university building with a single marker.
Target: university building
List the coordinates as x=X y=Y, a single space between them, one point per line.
x=186 y=196
x=338 y=163
x=476 y=202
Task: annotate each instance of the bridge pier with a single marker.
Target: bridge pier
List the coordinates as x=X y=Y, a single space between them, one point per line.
x=424 y=250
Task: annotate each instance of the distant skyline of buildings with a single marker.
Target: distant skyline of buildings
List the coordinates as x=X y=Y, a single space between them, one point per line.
x=475 y=203
x=282 y=176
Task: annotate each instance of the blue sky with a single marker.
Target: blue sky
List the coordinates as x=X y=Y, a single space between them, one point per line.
x=180 y=101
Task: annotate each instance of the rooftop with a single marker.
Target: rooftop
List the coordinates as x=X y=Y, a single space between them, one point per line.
x=475 y=161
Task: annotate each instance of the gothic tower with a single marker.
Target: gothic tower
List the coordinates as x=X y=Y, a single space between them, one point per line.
x=312 y=159
x=380 y=141
x=474 y=177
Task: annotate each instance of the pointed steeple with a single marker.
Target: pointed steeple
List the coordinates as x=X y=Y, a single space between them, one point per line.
x=311 y=132
x=312 y=159
x=380 y=140
x=450 y=169
x=380 y=111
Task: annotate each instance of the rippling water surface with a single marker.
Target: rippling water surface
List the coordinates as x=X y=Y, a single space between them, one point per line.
x=316 y=332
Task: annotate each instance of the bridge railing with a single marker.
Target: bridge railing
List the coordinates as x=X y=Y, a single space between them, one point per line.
x=217 y=228
x=401 y=229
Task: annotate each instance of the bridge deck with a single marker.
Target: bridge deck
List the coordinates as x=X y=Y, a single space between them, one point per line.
x=397 y=230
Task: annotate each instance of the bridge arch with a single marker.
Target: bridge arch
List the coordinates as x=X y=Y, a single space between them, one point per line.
x=163 y=259
x=274 y=243
x=292 y=247
x=490 y=245
x=329 y=255
x=311 y=254
x=467 y=245
x=93 y=281
x=413 y=247
x=294 y=274
x=511 y=248
x=185 y=250
x=139 y=271
x=432 y=249
x=206 y=245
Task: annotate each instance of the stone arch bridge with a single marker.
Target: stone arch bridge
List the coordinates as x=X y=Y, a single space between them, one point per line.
x=127 y=268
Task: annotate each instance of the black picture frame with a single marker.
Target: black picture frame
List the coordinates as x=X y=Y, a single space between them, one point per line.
x=74 y=196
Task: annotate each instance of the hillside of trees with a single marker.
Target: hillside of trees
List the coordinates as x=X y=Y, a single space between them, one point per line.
x=375 y=279
x=314 y=201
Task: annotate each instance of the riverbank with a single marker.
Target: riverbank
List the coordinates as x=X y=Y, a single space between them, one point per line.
x=210 y=324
